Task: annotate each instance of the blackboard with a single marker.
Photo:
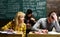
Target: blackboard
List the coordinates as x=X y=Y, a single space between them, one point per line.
x=8 y=8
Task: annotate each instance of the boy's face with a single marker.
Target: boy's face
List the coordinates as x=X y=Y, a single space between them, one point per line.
x=52 y=17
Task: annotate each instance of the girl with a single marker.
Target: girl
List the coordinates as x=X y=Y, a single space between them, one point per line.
x=17 y=24
x=29 y=20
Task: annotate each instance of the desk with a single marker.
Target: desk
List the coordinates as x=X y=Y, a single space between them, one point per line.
x=10 y=35
x=43 y=35
x=50 y=34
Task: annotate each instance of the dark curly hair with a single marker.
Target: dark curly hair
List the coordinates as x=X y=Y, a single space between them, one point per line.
x=51 y=13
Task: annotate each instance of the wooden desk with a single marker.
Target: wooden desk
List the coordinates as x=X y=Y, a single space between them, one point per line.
x=10 y=35
x=43 y=35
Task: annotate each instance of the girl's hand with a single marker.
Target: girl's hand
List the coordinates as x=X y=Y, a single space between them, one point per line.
x=10 y=30
x=33 y=19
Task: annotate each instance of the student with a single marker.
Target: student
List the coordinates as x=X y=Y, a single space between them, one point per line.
x=48 y=23
x=29 y=20
x=17 y=24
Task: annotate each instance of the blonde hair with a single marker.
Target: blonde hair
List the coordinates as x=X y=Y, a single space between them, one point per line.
x=17 y=15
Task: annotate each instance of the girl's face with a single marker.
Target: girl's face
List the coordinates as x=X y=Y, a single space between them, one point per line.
x=21 y=18
x=29 y=15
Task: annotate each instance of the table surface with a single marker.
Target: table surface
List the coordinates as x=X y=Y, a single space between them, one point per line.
x=43 y=35
x=50 y=34
x=10 y=35
x=4 y=34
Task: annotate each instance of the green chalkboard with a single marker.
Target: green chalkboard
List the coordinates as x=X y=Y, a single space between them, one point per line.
x=8 y=8
x=3 y=8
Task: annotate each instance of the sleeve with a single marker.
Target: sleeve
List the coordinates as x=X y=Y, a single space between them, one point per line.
x=57 y=27
x=24 y=31
x=37 y=25
x=6 y=27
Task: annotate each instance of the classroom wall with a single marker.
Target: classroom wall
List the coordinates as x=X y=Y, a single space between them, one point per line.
x=53 y=5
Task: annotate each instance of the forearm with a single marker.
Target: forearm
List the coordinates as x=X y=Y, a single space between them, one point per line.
x=57 y=27
x=35 y=29
x=4 y=28
x=37 y=25
x=7 y=26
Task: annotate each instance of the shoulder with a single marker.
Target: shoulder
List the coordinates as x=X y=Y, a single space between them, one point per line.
x=9 y=22
x=41 y=19
x=24 y=24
